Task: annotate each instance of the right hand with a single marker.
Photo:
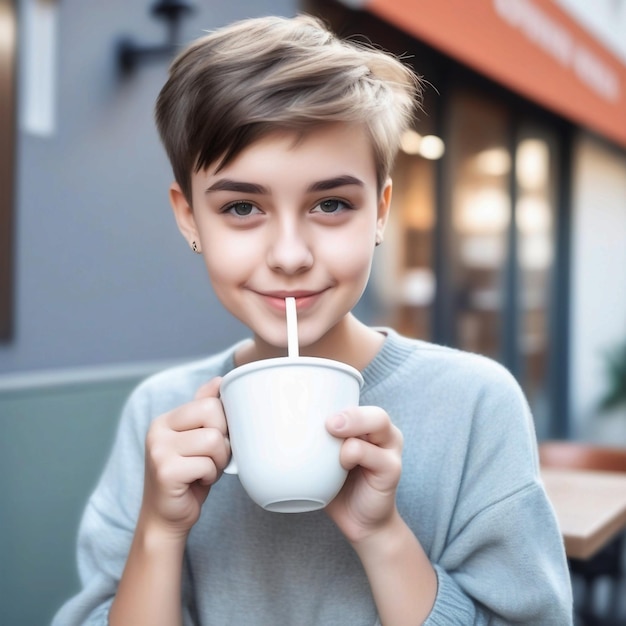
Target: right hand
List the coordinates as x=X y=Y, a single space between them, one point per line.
x=186 y=452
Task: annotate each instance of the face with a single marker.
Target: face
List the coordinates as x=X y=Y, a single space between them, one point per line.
x=290 y=216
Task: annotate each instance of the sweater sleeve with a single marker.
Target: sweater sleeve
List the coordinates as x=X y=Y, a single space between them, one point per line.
x=497 y=573
x=108 y=523
x=503 y=560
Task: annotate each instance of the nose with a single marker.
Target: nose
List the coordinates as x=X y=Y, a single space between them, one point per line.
x=288 y=249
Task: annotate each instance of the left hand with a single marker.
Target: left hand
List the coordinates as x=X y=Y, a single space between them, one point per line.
x=372 y=452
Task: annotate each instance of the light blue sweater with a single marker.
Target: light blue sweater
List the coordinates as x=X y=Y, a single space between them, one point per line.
x=470 y=491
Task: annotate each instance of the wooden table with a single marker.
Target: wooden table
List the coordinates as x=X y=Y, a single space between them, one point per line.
x=590 y=507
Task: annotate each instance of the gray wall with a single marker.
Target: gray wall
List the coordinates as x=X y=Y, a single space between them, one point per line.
x=102 y=275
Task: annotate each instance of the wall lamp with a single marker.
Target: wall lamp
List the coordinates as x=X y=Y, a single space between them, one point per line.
x=131 y=54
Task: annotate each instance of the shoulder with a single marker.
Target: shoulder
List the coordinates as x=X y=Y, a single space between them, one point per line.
x=469 y=410
x=443 y=366
x=177 y=385
x=458 y=398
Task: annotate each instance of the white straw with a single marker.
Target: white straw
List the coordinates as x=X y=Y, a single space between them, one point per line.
x=292 y=327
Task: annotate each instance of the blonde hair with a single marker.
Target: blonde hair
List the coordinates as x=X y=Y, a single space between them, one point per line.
x=236 y=84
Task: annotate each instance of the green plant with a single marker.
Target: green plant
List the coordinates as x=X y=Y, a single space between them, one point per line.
x=616 y=370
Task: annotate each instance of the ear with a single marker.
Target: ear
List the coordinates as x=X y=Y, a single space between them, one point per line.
x=183 y=214
x=384 y=204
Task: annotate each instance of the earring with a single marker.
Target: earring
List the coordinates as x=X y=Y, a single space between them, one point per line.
x=379 y=240
x=194 y=247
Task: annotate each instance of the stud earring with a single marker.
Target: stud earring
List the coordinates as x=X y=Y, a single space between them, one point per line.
x=194 y=247
x=379 y=240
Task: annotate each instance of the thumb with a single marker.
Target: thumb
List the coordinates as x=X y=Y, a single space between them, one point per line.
x=210 y=389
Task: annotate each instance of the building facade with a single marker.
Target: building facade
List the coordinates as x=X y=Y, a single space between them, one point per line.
x=510 y=193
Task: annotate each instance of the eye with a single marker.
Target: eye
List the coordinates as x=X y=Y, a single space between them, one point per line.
x=241 y=209
x=331 y=205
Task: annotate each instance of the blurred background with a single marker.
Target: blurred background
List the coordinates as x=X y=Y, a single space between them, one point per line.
x=507 y=237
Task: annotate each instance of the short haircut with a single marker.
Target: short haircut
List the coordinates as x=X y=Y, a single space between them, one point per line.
x=241 y=82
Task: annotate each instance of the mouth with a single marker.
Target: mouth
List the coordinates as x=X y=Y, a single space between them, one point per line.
x=304 y=299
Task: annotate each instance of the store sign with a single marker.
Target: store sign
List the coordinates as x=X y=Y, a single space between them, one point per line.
x=557 y=40
x=531 y=46
x=606 y=19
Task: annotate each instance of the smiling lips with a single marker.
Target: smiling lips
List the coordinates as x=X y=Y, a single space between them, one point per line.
x=304 y=299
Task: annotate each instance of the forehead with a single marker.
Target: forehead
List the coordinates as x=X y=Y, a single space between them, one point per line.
x=322 y=151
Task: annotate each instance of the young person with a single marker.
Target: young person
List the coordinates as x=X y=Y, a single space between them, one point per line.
x=281 y=138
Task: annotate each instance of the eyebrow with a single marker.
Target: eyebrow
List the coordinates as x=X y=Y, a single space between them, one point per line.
x=332 y=183
x=227 y=184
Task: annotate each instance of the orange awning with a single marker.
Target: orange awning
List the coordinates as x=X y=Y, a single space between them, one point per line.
x=530 y=46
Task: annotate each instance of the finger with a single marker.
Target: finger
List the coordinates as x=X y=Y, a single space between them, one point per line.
x=206 y=412
x=210 y=389
x=382 y=466
x=187 y=470
x=370 y=423
x=209 y=442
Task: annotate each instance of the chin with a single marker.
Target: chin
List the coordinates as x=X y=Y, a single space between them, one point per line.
x=279 y=344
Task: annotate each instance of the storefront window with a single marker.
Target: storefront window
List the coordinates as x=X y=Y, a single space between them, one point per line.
x=404 y=272
x=480 y=165
x=492 y=221
x=502 y=200
x=408 y=250
x=535 y=219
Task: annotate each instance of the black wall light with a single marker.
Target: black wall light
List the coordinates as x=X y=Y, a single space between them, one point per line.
x=131 y=54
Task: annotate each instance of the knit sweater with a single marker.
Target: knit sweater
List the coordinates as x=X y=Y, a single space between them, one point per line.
x=470 y=491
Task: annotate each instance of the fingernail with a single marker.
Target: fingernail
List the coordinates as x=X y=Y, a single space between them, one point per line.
x=338 y=421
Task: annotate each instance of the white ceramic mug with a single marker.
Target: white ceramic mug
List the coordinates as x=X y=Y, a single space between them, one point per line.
x=276 y=410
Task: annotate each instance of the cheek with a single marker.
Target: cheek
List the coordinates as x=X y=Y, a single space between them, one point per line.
x=227 y=262
x=351 y=254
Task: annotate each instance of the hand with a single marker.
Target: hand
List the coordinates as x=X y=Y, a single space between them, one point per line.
x=186 y=451
x=372 y=452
